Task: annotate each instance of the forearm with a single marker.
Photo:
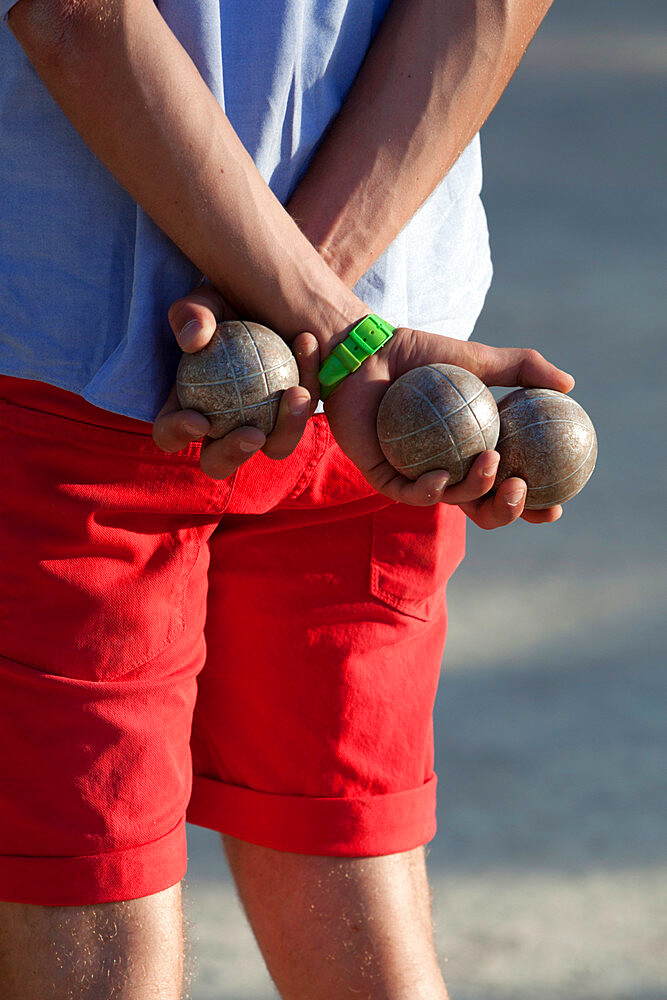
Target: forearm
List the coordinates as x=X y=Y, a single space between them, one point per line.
x=429 y=81
x=132 y=92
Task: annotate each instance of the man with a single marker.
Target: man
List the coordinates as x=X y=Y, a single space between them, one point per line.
x=306 y=603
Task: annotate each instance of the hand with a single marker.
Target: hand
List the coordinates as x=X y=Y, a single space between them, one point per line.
x=175 y=428
x=352 y=413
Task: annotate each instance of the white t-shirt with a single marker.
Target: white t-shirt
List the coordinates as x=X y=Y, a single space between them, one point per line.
x=86 y=278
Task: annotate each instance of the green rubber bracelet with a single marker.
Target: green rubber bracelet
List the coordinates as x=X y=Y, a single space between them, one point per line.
x=364 y=339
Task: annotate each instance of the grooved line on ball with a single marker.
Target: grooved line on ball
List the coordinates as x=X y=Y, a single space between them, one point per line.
x=557 y=482
x=569 y=496
x=442 y=421
x=259 y=360
x=434 y=424
x=231 y=365
x=548 y=394
x=562 y=500
x=443 y=452
x=237 y=378
x=538 y=423
x=252 y=406
x=456 y=389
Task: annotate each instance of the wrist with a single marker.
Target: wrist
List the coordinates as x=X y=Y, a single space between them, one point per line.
x=363 y=341
x=330 y=309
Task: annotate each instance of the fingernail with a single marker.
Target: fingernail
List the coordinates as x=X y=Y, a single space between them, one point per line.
x=189 y=333
x=489 y=471
x=299 y=405
x=514 y=499
x=249 y=446
x=442 y=482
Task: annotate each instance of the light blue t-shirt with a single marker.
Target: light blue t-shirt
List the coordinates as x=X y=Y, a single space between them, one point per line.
x=86 y=278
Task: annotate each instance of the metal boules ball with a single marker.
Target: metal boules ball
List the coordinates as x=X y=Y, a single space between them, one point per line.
x=238 y=378
x=436 y=417
x=548 y=440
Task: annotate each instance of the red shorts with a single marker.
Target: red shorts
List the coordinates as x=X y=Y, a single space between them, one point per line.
x=261 y=653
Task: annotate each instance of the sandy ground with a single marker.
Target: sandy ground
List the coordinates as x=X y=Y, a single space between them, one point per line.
x=549 y=869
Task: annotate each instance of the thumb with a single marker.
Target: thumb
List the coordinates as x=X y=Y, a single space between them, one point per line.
x=194 y=318
x=509 y=366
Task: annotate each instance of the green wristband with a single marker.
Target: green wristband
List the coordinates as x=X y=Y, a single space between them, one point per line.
x=364 y=339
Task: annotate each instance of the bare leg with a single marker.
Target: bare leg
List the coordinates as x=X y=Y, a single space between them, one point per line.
x=333 y=928
x=125 y=951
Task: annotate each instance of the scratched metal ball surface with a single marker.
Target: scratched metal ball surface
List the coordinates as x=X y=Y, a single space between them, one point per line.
x=238 y=378
x=436 y=417
x=548 y=440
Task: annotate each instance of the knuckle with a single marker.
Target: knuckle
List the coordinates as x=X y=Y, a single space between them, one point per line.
x=279 y=450
x=160 y=437
x=533 y=356
x=175 y=310
x=216 y=467
x=168 y=445
x=495 y=522
x=479 y=354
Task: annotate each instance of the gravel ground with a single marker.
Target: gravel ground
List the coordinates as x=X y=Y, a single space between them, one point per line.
x=549 y=868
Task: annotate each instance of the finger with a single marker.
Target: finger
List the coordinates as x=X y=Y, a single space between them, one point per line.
x=306 y=350
x=223 y=456
x=293 y=413
x=546 y=516
x=194 y=318
x=500 y=509
x=174 y=428
x=422 y=492
x=478 y=481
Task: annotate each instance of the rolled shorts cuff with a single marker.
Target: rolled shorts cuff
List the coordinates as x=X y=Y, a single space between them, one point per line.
x=96 y=878
x=336 y=827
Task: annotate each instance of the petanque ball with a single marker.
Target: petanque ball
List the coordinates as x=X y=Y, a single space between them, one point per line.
x=238 y=378
x=548 y=440
x=436 y=417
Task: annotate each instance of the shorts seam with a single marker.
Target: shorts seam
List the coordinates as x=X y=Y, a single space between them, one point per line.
x=75 y=420
x=323 y=437
x=222 y=510
x=144 y=443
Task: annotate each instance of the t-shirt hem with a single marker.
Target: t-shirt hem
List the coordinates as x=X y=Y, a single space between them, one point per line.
x=95 y=399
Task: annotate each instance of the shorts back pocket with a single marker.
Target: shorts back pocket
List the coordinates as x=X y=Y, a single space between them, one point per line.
x=414 y=551
x=96 y=551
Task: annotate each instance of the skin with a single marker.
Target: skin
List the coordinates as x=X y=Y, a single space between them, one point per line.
x=444 y=66
x=368 y=923
x=126 y=951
